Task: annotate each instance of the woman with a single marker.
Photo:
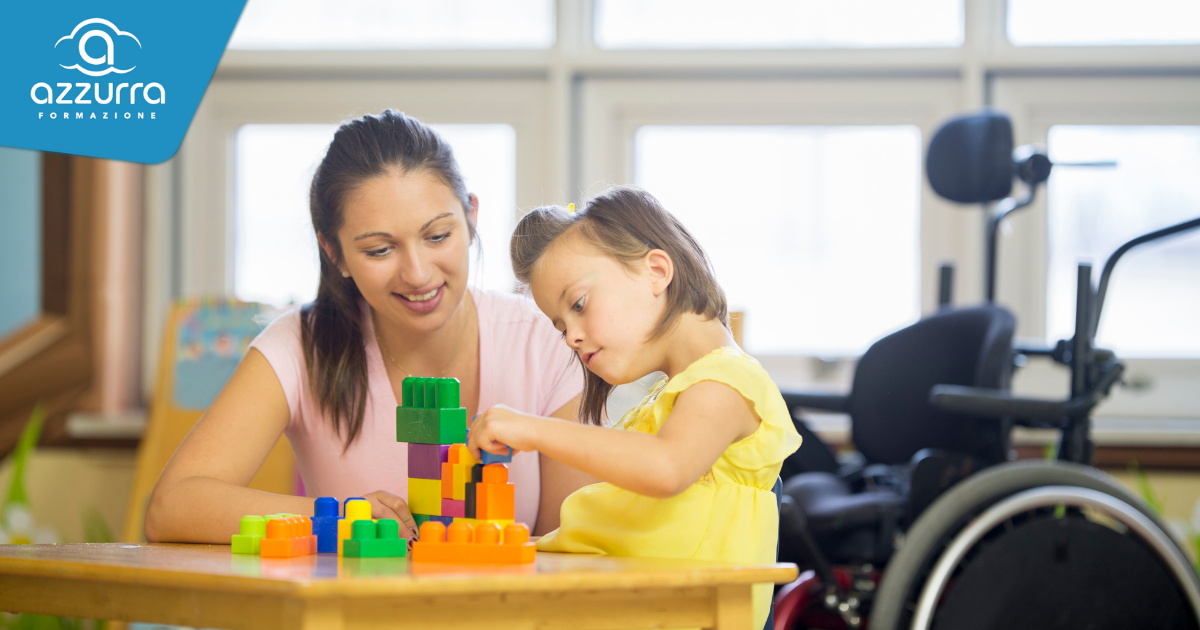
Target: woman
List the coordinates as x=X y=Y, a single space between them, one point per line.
x=394 y=222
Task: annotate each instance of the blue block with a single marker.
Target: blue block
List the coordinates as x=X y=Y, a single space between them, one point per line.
x=488 y=458
x=325 y=524
x=445 y=520
x=326 y=530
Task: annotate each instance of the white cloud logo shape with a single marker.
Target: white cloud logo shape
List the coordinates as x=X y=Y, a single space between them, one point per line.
x=107 y=58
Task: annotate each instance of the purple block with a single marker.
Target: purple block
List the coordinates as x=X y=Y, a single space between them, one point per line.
x=424 y=461
x=444 y=452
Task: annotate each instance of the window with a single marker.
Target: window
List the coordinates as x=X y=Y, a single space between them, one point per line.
x=816 y=239
x=1153 y=300
x=21 y=238
x=778 y=24
x=1103 y=22
x=275 y=251
x=395 y=24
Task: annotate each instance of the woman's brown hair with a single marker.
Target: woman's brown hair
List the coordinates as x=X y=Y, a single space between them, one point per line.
x=331 y=331
x=625 y=223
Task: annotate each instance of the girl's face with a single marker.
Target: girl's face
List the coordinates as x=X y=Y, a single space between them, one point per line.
x=605 y=310
x=405 y=242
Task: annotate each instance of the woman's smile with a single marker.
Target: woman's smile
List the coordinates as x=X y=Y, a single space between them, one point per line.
x=424 y=301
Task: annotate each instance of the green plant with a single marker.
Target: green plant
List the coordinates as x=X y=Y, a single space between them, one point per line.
x=1144 y=488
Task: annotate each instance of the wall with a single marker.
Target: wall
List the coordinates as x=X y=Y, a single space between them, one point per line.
x=64 y=484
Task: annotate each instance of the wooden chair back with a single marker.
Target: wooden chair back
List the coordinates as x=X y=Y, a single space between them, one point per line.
x=203 y=341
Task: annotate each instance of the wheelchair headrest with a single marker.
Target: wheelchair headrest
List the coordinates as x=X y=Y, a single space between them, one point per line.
x=970 y=158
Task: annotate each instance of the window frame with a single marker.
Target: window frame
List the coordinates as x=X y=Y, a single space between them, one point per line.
x=1035 y=105
x=563 y=84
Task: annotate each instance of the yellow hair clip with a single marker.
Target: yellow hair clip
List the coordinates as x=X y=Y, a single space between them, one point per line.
x=571 y=208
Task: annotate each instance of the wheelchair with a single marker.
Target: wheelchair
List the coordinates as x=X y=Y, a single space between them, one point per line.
x=935 y=526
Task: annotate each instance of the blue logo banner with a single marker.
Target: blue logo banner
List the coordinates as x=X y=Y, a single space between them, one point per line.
x=117 y=80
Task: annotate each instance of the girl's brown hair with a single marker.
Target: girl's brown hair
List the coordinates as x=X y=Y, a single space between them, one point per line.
x=331 y=331
x=625 y=223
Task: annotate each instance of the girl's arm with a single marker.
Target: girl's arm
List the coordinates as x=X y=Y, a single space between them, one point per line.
x=707 y=418
x=202 y=493
x=558 y=479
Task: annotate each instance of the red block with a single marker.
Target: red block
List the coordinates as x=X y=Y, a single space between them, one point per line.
x=450 y=507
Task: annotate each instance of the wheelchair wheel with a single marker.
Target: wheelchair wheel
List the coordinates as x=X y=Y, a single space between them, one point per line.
x=1031 y=545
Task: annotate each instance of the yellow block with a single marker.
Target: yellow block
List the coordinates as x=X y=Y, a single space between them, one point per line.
x=462 y=474
x=425 y=496
x=359 y=510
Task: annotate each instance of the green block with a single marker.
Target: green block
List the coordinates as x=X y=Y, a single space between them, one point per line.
x=429 y=393
x=431 y=426
x=246 y=544
x=375 y=540
x=251 y=530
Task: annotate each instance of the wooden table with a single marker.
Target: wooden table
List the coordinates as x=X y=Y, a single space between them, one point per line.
x=207 y=586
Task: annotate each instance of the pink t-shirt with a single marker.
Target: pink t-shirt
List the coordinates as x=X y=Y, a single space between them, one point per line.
x=523 y=363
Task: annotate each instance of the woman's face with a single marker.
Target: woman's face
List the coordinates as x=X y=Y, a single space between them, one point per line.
x=405 y=242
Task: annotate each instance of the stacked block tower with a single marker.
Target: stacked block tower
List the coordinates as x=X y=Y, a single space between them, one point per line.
x=445 y=483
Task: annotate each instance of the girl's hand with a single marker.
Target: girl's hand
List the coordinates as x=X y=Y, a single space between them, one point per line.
x=497 y=429
x=387 y=505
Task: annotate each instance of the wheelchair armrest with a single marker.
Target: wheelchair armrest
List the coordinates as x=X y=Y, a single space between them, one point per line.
x=825 y=402
x=979 y=401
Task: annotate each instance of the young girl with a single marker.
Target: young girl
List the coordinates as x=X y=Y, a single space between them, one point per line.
x=689 y=472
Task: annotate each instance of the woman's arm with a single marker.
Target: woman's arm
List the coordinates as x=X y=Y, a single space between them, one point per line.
x=558 y=479
x=706 y=419
x=202 y=492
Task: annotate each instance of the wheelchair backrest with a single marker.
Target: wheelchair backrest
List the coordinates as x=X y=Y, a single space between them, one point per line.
x=889 y=403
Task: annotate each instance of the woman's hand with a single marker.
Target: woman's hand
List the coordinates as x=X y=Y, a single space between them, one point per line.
x=499 y=428
x=387 y=505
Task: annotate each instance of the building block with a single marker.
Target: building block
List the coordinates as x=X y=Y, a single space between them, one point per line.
x=477 y=473
x=431 y=426
x=444 y=453
x=356 y=510
x=470 y=498
x=288 y=538
x=429 y=412
x=376 y=540
x=494 y=501
x=491 y=458
x=495 y=473
x=502 y=522
x=325 y=524
x=425 y=496
x=463 y=543
x=450 y=507
x=421 y=519
x=454 y=479
x=424 y=461
x=460 y=454
x=251 y=530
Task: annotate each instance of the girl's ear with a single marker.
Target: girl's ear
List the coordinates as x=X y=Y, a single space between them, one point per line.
x=660 y=269
x=330 y=253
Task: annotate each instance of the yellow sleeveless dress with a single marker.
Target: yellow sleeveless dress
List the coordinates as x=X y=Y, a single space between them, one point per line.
x=729 y=514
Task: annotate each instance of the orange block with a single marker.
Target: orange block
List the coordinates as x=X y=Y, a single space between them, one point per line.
x=448 y=478
x=495 y=473
x=464 y=544
x=460 y=454
x=287 y=538
x=454 y=480
x=495 y=501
